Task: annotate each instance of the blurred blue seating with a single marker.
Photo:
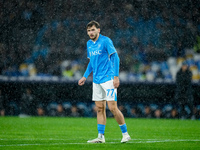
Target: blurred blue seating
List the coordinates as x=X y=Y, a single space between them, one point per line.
x=167 y=110
x=13 y=109
x=83 y=109
x=67 y=107
x=52 y=108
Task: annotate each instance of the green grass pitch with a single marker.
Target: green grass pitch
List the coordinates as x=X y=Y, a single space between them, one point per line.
x=49 y=133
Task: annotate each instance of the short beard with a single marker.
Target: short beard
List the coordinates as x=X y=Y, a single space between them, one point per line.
x=94 y=38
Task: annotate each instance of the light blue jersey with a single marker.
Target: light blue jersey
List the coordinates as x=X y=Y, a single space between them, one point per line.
x=99 y=54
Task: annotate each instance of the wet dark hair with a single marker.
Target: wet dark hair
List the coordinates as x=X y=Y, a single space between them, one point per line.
x=93 y=23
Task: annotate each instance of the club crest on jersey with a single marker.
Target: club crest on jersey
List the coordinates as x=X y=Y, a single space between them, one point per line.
x=97 y=52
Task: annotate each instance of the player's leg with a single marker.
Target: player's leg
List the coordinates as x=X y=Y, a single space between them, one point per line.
x=101 y=112
x=111 y=97
x=101 y=122
x=98 y=96
x=119 y=117
x=101 y=118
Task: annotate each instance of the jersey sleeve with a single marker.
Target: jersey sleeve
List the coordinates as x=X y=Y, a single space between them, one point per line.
x=115 y=61
x=110 y=47
x=88 y=55
x=88 y=70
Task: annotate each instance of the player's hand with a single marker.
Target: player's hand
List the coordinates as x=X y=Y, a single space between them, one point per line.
x=82 y=81
x=116 y=82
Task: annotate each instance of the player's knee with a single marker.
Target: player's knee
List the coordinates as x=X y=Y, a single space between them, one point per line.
x=113 y=110
x=100 y=109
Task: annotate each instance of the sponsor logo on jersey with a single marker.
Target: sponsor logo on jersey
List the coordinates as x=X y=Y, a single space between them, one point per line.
x=97 y=52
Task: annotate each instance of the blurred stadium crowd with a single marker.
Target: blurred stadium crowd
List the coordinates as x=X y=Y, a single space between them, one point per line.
x=48 y=38
x=29 y=105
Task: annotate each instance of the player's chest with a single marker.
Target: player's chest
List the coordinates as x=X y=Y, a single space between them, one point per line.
x=96 y=50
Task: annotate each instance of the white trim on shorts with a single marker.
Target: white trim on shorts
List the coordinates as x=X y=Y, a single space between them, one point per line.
x=104 y=91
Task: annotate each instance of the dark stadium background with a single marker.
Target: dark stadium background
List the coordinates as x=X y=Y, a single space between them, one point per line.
x=43 y=47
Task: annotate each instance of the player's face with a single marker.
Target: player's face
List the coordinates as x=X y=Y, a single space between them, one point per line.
x=93 y=33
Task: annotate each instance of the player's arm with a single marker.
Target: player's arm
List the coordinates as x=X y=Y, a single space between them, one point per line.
x=115 y=61
x=86 y=74
x=88 y=70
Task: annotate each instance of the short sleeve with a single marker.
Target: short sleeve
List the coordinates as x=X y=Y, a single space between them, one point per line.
x=110 y=47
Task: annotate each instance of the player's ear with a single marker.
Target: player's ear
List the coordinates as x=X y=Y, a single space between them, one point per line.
x=99 y=30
